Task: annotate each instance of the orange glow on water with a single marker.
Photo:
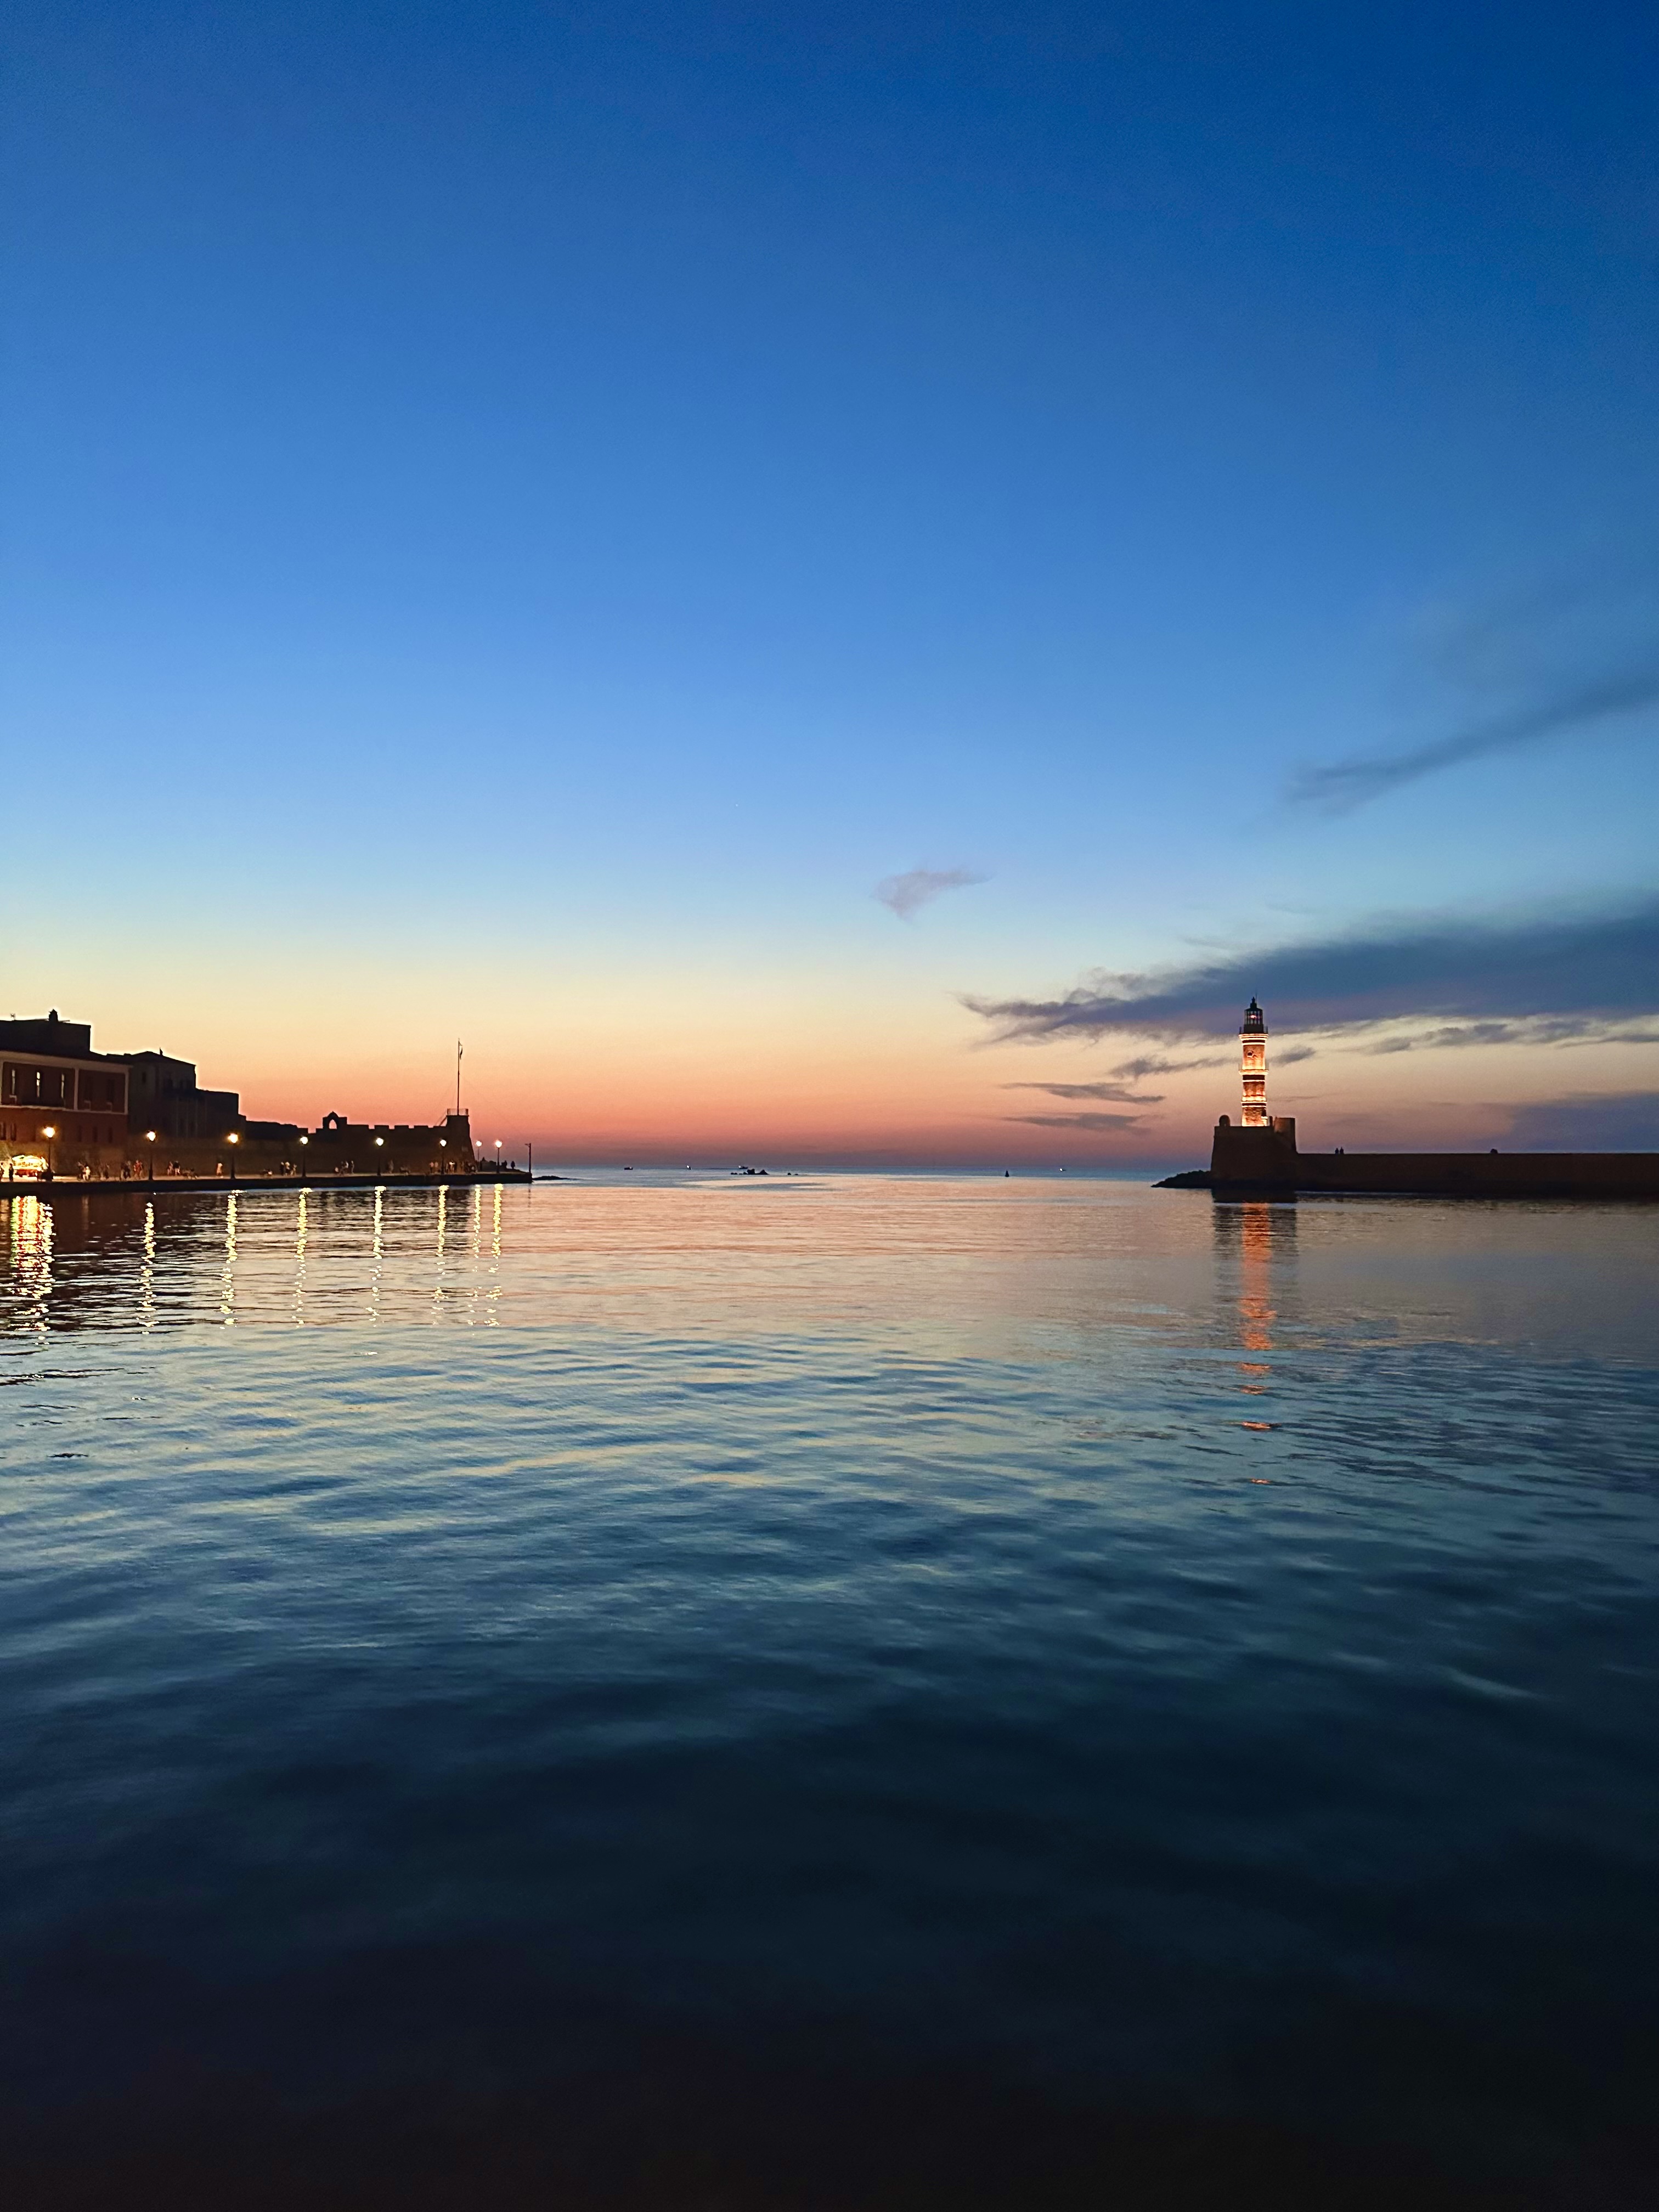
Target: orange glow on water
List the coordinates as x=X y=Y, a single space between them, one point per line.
x=1255 y=1307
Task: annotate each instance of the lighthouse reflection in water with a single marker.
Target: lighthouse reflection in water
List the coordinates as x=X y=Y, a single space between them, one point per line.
x=1094 y=1645
x=1262 y=1234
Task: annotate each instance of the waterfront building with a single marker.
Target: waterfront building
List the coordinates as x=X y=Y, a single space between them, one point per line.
x=63 y=1106
x=163 y=1095
x=338 y=1146
x=68 y=1112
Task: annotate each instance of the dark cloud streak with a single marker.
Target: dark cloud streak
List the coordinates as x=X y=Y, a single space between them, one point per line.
x=1577 y=969
x=1341 y=785
x=1092 y=1125
x=1135 y=1070
x=1117 y=1094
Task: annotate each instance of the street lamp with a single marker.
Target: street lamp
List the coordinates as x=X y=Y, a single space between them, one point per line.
x=498 y=1156
x=149 y=1138
x=233 y=1140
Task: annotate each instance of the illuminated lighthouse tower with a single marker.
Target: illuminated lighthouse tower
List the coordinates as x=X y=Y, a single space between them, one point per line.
x=1259 y=1154
x=1253 y=1061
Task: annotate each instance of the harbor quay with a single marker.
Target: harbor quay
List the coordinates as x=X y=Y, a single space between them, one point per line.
x=69 y=1114
x=43 y=1185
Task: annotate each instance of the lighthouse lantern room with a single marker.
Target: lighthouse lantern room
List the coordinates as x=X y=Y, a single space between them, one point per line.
x=1252 y=1056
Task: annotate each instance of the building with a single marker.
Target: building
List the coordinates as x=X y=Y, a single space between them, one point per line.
x=69 y=1112
x=63 y=1106
x=163 y=1095
x=338 y=1146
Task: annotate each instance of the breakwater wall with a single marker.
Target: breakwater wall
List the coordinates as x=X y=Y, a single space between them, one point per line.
x=1267 y=1159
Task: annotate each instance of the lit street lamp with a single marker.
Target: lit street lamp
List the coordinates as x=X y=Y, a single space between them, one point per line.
x=233 y=1140
x=498 y=1156
x=149 y=1138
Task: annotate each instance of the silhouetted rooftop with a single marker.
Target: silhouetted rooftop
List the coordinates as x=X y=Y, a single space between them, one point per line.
x=66 y=1040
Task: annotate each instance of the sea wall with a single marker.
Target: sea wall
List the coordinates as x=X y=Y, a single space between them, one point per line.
x=1485 y=1175
x=1268 y=1159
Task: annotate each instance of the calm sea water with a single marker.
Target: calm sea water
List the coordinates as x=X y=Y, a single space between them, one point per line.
x=829 y=1677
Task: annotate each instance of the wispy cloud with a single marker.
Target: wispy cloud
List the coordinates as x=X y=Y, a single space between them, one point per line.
x=1088 y=1124
x=1525 y=1030
x=1136 y=1071
x=1581 y=970
x=1340 y=786
x=909 y=893
x=1452 y=1036
x=1114 y=1093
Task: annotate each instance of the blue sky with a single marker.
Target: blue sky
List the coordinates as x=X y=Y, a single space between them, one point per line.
x=536 y=513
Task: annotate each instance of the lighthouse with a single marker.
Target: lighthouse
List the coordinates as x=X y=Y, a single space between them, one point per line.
x=1253 y=1066
x=1259 y=1152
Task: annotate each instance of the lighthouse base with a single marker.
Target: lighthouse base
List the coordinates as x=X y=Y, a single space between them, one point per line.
x=1261 y=1158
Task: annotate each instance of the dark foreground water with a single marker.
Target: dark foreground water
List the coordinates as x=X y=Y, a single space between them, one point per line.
x=835 y=1691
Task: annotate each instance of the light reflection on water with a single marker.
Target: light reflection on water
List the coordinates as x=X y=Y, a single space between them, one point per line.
x=1109 y=1637
x=981 y=1255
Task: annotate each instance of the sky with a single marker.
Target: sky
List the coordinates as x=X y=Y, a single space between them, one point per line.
x=840 y=583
